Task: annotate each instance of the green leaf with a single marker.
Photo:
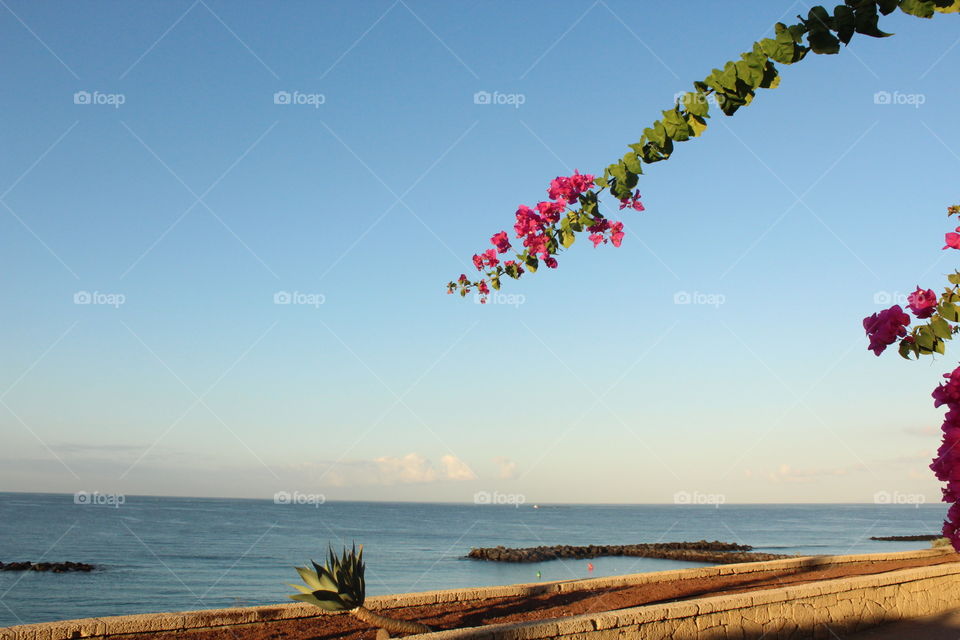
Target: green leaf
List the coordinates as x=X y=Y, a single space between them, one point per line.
x=784 y=48
x=948 y=311
x=925 y=338
x=866 y=21
x=618 y=171
x=532 y=263
x=941 y=328
x=948 y=6
x=695 y=103
x=906 y=348
x=771 y=77
x=823 y=42
x=656 y=134
x=567 y=238
x=676 y=127
x=887 y=6
x=844 y=23
x=632 y=163
x=954 y=278
x=919 y=8
x=697 y=125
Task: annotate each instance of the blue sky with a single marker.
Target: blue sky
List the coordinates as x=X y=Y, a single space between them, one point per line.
x=184 y=211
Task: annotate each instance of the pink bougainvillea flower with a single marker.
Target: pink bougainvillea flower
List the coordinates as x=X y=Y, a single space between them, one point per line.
x=949 y=393
x=616 y=233
x=463 y=279
x=536 y=244
x=952 y=240
x=597 y=239
x=550 y=211
x=528 y=222
x=514 y=263
x=501 y=242
x=922 y=303
x=478 y=262
x=483 y=288
x=550 y=261
x=490 y=258
x=633 y=202
x=885 y=327
x=569 y=188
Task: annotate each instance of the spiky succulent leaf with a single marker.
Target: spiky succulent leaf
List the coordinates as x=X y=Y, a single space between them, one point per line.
x=310 y=578
x=321 y=578
x=337 y=586
x=326 y=605
x=301 y=588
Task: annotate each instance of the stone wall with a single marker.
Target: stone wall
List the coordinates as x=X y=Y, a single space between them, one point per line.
x=825 y=609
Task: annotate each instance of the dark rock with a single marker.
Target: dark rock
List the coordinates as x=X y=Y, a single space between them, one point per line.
x=701 y=551
x=52 y=567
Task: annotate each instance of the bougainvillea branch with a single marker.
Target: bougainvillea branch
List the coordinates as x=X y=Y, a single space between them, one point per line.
x=942 y=316
x=573 y=205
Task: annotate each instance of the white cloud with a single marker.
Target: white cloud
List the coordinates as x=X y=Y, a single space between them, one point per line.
x=411 y=468
x=456 y=469
x=508 y=468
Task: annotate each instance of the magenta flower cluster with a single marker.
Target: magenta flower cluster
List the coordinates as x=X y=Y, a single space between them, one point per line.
x=536 y=228
x=946 y=465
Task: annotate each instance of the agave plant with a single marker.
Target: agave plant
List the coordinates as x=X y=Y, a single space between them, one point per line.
x=340 y=586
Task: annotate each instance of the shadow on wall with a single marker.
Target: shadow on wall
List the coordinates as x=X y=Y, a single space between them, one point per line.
x=945 y=626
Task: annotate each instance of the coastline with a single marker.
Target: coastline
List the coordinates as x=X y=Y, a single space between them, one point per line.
x=911 y=573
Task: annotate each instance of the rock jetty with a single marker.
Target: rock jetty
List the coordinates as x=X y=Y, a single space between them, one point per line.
x=53 y=567
x=923 y=538
x=702 y=551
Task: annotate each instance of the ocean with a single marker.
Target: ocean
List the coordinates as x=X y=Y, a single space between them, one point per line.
x=171 y=554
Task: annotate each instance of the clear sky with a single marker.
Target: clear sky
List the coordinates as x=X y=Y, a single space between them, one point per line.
x=179 y=199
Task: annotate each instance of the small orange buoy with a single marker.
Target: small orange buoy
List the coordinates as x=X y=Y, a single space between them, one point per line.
x=589 y=566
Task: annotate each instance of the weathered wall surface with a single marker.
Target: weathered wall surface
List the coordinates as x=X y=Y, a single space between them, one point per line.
x=825 y=609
